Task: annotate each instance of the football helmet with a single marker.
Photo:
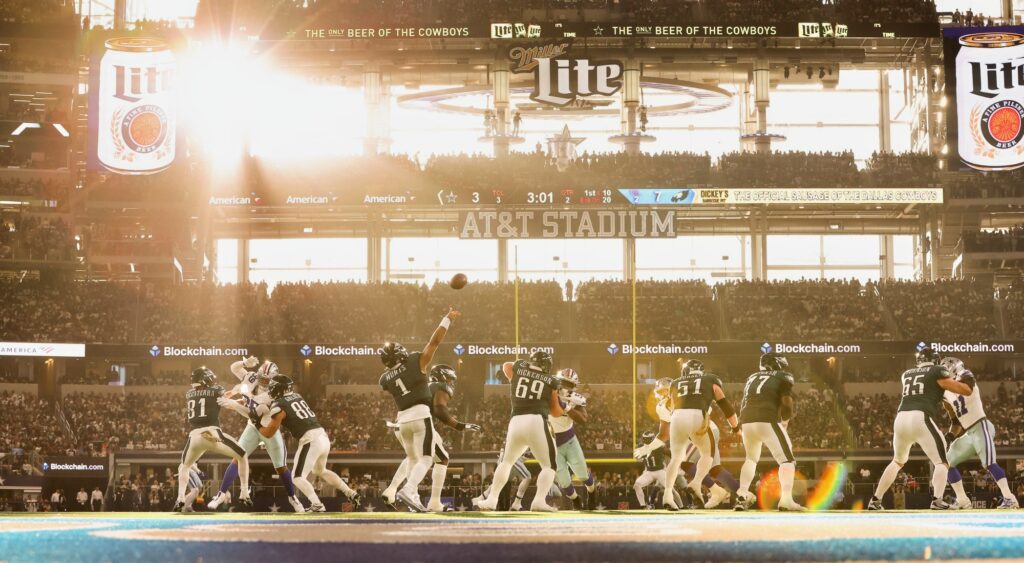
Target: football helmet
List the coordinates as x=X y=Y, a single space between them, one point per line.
x=266 y=372
x=444 y=374
x=955 y=366
x=648 y=437
x=393 y=354
x=662 y=388
x=280 y=385
x=692 y=368
x=570 y=379
x=542 y=359
x=203 y=376
x=927 y=356
x=774 y=362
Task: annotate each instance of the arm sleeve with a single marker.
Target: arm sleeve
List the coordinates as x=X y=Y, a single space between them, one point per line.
x=239 y=371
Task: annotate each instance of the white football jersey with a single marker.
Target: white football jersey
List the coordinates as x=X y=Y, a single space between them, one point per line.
x=968 y=408
x=664 y=410
x=562 y=423
x=247 y=380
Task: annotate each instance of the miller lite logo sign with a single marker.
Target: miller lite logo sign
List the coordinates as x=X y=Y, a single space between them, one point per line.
x=514 y=31
x=990 y=100
x=559 y=80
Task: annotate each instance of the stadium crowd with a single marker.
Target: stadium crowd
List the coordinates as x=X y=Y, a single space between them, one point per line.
x=1000 y=240
x=350 y=312
x=817 y=310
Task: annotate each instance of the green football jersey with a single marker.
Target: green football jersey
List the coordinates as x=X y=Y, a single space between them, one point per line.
x=762 y=396
x=298 y=417
x=695 y=392
x=921 y=391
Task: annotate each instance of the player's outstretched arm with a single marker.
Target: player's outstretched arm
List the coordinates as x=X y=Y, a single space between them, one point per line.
x=442 y=413
x=954 y=425
x=556 y=405
x=275 y=424
x=954 y=386
x=229 y=402
x=578 y=413
x=435 y=340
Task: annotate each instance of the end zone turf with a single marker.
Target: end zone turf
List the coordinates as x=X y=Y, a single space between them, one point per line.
x=473 y=536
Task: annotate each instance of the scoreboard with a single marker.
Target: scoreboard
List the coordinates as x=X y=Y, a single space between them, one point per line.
x=622 y=197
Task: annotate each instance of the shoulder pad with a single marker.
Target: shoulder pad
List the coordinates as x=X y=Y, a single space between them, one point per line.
x=940 y=372
x=787 y=376
x=715 y=379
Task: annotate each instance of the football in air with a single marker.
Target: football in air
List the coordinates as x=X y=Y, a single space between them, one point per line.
x=459 y=281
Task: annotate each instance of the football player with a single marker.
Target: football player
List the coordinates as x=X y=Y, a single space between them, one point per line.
x=693 y=394
x=923 y=389
x=568 y=452
x=764 y=416
x=251 y=400
x=719 y=481
x=654 y=472
x=203 y=416
x=973 y=435
x=520 y=470
x=405 y=378
x=290 y=410
x=534 y=391
x=195 y=486
x=442 y=389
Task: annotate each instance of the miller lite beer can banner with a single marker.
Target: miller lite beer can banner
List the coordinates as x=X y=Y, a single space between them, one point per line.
x=133 y=105
x=985 y=95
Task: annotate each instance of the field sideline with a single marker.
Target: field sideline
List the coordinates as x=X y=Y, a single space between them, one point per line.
x=475 y=536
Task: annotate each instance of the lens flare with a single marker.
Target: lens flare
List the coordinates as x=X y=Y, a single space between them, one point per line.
x=829 y=488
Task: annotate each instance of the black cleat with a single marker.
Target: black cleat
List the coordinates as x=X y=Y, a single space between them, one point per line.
x=178 y=506
x=356 y=500
x=592 y=501
x=875 y=504
x=670 y=508
x=245 y=505
x=577 y=503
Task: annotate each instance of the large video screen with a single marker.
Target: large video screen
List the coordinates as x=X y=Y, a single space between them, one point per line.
x=985 y=97
x=134 y=125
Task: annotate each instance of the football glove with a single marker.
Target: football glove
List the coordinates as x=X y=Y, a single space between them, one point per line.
x=642 y=452
x=473 y=427
x=577 y=400
x=251 y=362
x=255 y=416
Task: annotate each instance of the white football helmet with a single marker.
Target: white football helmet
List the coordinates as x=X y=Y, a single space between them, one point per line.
x=662 y=388
x=266 y=372
x=955 y=366
x=569 y=381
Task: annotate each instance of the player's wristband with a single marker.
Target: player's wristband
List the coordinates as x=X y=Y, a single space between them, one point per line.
x=445 y=323
x=726 y=407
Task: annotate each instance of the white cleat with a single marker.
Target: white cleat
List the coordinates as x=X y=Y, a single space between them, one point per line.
x=964 y=504
x=411 y=499
x=542 y=507
x=188 y=508
x=744 y=501
x=487 y=505
x=317 y=508
x=517 y=505
x=718 y=496
x=216 y=502
x=435 y=507
x=1008 y=504
x=299 y=509
x=791 y=506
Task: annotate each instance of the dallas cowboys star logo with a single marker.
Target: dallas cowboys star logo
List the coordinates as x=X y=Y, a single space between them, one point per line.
x=598 y=30
x=274 y=507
